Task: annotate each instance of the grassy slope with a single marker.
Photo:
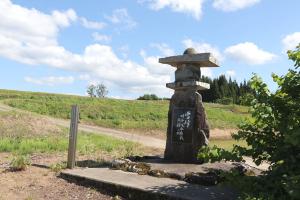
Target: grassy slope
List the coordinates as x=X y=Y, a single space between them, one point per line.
x=124 y=114
x=26 y=133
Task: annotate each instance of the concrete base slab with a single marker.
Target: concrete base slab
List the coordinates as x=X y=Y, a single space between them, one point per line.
x=183 y=169
x=134 y=186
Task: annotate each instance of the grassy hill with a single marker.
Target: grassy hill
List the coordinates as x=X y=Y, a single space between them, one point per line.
x=123 y=114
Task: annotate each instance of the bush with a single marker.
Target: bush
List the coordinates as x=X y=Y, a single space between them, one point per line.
x=148 y=97
x=273 y=136
x=19 y=163
x=225 y=101
x=57 y=167
x=246 y=99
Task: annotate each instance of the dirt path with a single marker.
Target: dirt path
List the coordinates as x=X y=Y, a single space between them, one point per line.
x=144 y=140
x=4 y=108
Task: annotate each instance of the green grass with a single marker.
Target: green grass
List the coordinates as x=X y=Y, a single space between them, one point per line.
x=122 y=114
x=26 y=133
x=87 y=143
x=19 y=163
x=227 y=144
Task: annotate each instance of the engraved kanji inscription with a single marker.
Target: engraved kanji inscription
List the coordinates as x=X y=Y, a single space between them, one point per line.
x=182 y=125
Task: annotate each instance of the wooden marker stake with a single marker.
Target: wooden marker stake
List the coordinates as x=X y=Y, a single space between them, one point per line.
x=73 y=136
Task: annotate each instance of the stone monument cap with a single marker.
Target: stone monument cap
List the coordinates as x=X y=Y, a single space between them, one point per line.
x=190 y=56
x=190 y=51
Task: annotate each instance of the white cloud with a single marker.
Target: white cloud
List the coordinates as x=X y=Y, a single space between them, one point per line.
x=191 y=7
x=50 y=80
x=291 y=41
x=230 y=73
x=84 y=77
x=206 y=72
x=30 y=36
x=159 y=90
x=26 y=25
x=157 y=68
x=92 y=24
x=64 y=18
x=121 y=17
x=154 y=66
x=249 y=53
x=203 y=48
x=101 y=38
x=233 y=5
x=163 y=48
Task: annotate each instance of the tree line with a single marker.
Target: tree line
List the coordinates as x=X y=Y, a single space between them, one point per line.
x=222 y=90
x=227 y=91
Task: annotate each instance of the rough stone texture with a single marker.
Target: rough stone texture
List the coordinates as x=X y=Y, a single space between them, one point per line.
x=187 y=152
x=190 y=51
x=196 y=85
x=181 y=169
x=188 y=129
x=207 y=174
x=200 y=59
x=187 y=72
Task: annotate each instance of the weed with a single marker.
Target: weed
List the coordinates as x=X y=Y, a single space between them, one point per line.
x=57 y=167
x=19 y=163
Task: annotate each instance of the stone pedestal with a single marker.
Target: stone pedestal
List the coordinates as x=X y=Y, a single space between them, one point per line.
x=188 y=129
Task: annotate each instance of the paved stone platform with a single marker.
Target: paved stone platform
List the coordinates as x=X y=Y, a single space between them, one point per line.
x=182 y=168
x=134 y=186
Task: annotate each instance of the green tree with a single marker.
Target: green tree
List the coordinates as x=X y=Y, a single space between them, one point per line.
x=273 y=136
x=101 y=90
x=98 y=90
x=246 y=99
x=148 y=97
x=225 y=91
x=91 y=90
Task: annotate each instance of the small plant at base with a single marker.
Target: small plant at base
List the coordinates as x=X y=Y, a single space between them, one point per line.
x=130 y=150
x=19 y=163
x=58 y=167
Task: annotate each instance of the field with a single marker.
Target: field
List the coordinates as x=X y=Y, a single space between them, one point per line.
x=24 y=133
x=32 y=138
x=40 y=141
x=121 y=114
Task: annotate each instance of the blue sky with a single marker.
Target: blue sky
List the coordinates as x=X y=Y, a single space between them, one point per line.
x=61 y=46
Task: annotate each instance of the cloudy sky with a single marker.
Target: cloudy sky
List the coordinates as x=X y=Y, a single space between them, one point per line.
x=61 y=46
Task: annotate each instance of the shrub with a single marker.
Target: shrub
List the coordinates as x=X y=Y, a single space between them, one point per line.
x=58 y=167
x=246 y=99
x=19 y=163
x=273 y=136
x=225 y=101
x=149 y=97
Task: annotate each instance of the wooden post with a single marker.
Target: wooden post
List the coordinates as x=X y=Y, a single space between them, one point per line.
x=73 y=136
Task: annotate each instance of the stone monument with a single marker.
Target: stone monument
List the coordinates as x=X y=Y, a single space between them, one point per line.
x=188 y=129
